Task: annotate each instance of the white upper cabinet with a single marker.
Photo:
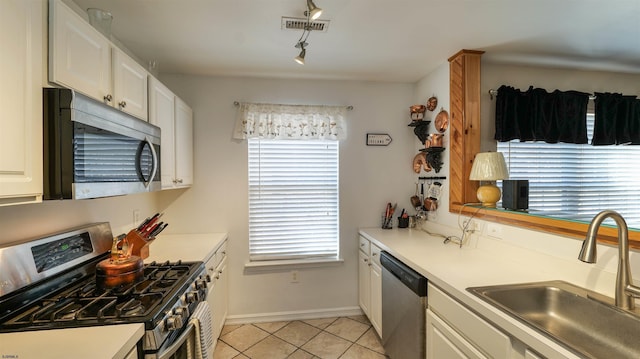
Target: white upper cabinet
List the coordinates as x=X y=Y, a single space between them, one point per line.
x=21 y=42
x=81 y=58
x=162 y=114
x=129 y=85
x=175 y=119
x=184 y=144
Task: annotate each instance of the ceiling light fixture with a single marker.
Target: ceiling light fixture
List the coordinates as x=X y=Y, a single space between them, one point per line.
x=300 y=58
x=313 y=11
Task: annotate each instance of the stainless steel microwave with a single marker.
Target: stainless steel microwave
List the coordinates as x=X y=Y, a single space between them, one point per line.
x=92 y=150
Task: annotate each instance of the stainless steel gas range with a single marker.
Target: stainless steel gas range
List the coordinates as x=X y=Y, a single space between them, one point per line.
x=50 y=283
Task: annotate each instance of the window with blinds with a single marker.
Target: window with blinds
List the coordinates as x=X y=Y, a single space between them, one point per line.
x=577 y=181
x=293 y=199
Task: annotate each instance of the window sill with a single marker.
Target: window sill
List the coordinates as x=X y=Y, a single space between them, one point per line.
x=267 y=266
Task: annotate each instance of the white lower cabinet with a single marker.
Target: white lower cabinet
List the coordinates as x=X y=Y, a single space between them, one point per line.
x=364 y=282
x=370 y=283
x=444 y=342
x=453 y=331
x=528 y=354
x=133 y=354
x=376 y=290
x=218 y=297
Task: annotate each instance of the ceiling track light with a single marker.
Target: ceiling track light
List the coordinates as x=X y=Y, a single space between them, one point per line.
x=313 y=12
x=300 y=58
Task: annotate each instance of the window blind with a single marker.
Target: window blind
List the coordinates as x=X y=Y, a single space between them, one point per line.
x=577 y=181
x=293 y=199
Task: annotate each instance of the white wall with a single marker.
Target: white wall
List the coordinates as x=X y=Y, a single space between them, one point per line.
x=369 y=178
x=27 y=221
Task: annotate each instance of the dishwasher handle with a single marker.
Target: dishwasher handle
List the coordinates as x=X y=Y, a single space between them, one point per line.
x=409 y=277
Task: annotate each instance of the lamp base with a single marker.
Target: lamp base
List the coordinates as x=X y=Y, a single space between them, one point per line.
x=489 y=194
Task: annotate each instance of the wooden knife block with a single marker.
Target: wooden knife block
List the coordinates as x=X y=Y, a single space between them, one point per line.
x=140 y=245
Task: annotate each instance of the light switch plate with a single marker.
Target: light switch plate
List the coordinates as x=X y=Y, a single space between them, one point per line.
x=378 y=139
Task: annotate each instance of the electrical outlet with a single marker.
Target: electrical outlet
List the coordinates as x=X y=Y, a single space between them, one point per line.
x=295 y=276
x=136 y=217
x=494 y=230
x=470 y=226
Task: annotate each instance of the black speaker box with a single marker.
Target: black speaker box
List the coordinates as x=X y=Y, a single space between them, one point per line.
x=515 y=194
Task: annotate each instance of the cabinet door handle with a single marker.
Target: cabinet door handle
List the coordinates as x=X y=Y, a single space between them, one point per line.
x=374 y=254
x=361 y=244
x=122 y=104
x=108 y=98
x=365 y=260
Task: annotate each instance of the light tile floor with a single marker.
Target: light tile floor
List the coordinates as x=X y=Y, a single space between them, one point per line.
x=325 y=338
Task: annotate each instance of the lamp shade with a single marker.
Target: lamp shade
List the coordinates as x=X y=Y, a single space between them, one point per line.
x=489 y=166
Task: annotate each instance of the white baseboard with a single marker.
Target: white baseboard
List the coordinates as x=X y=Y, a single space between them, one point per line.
x=293 y=315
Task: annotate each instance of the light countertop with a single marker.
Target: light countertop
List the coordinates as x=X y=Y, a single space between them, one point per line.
x=105 y=342
x=187 y=247
x=454 y=269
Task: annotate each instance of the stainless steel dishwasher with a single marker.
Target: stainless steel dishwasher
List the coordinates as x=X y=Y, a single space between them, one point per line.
x=404 y=302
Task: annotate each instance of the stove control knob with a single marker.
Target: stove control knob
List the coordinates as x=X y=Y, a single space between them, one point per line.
x=182 y=312
x=173 y=322
x=201 y=284
x=192 y=297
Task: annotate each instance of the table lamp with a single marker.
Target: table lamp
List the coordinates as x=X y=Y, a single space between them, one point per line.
x=489 y=166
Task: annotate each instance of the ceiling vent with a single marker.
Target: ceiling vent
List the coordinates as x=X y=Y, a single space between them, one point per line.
x=297 y=23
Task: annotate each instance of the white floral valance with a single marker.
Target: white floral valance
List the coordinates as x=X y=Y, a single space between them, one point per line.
x=290 y=122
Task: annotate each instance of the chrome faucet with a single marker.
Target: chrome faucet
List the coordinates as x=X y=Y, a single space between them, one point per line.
x=625 y=290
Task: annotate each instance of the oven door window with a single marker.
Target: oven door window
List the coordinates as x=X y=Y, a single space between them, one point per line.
x=104 y=156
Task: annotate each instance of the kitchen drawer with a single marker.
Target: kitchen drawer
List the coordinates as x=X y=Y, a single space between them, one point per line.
x=218 y=256
x=364 y=245
x=375 y=254
x=211 y=264
x=482 y=334
x=222 y=251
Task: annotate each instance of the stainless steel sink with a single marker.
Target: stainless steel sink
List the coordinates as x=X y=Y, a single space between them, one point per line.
x=581 y=320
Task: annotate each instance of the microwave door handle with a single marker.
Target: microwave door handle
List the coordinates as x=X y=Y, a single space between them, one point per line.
x=154 y=168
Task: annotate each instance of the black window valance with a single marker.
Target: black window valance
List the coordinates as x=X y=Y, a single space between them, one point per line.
x=537 y=115
x=617 y=120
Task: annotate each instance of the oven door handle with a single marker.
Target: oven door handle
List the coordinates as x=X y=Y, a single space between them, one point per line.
x=173 y=348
